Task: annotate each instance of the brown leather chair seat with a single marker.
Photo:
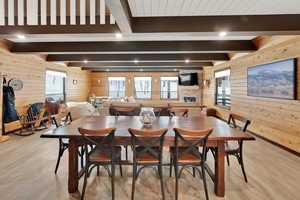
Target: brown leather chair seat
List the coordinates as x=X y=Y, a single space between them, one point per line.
x=188 y=157
x=98 y=156
x=146 y=157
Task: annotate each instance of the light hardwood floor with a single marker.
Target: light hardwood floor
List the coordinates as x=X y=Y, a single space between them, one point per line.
x=27 y=173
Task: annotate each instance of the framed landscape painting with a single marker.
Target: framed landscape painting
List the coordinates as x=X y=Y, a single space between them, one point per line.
x=274 y=80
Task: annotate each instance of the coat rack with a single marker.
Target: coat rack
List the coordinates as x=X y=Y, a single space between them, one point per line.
x=2 y=137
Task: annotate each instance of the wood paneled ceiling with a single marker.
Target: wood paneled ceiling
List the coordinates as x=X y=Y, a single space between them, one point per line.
x=160 y=35
x=154 y=8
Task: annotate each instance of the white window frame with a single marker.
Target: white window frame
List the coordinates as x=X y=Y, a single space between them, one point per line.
x=225 y=100
x=59 y=96
x=148 y=78
x=120 y=93
x=168 y=79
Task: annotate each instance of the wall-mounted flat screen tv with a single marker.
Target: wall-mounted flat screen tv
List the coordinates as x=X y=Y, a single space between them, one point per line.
x=274 y=80
x=188 y=79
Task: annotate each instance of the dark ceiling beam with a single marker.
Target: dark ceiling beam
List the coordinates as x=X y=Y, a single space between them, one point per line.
x=287 y=24
x=121 y=12
x=251 y=25
x=139 y=64
x=140 y=57
x=141 y=69
x=135 y=47
x=61 y=29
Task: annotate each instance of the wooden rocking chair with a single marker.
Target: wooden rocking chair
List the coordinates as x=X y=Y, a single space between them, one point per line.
x=33 y=120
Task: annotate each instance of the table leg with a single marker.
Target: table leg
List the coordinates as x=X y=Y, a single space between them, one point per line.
x=220 y=170
x=73 y=167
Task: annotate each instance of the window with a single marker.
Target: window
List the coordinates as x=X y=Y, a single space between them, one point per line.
x=116 y=87
x=223 y=91
x=55 y=85
x=169 y=87
x=143 y=87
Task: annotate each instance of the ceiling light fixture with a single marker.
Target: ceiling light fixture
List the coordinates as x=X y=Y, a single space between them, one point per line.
x=187 y=61
x=22 y=37
x=135 y=61
x=85 y=61
x=119 y=35
x=222 y=34
x=141 y=70
x=107 y=70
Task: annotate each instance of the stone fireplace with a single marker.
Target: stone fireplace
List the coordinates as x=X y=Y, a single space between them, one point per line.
x=189 y=93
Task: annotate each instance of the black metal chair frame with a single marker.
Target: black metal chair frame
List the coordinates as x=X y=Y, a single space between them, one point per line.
x=151 y=148
x=104 y=144
x=173 y=114
x=124 y=113
x=191 y=147
x=64 y=144
x=238 y=153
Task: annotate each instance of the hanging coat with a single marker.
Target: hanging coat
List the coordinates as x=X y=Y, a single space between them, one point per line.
x=9 y=110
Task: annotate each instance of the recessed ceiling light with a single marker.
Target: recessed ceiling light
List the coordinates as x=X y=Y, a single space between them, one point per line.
x=175 y=70
x=187 y=61
x=85 y=61
x=141 y=70
x=107 y=70
x=222 y=34
x=21 y=37
x=119 y=35
x=135 y=61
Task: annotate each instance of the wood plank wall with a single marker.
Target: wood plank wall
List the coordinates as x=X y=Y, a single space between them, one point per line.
x=275 y=119
x=100 y=82
x=31 y=70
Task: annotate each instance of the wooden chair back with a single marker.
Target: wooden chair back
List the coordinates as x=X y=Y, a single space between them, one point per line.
x=149 y=140
x=233 y=118
x=101 y=140
x=124 y=111
x=32 y=117
x=200 y=136
x=211 y=112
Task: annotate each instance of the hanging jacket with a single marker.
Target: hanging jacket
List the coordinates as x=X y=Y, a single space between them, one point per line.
x=9 y=111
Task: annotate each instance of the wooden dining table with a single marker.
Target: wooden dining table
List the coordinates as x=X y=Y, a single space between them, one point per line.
x=222 y=133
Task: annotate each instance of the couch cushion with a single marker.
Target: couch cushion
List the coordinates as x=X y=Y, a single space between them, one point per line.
x=80 y=109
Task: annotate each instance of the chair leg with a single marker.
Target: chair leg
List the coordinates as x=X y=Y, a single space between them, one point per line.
x=81 y=156
x=213 y=152
x=126 y=152
x=227 y=157
x=60 y=153
x=204 y=181
x=133 y=180
x=84 y=182
x=113 y=181
x=161 y=181
x=243 y=168
x=98 y=170
x=57 y=162
x=194 y=172
x=171 y=165
x=176 y=181
x=121 y=170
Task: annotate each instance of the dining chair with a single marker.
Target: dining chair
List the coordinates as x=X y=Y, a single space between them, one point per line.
x=103 y=153
x=147 y=152
x=63 y=143
x=237 y=150
x=125 y=111
x=184 y=112
x=211 y=112
x=189 y=155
